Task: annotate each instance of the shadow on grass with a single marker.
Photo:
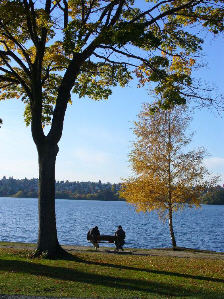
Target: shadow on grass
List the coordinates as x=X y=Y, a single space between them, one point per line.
x=156 y=271
x=71 y=257
x=132 y=284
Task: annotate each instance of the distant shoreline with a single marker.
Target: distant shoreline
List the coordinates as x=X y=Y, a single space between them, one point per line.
x=28 y=188
x=94 y=199
x=10 y=196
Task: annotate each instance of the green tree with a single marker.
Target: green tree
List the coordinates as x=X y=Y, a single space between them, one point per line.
x=214 y=196
x=49 y=49
x=167 y=176
x=114 y=189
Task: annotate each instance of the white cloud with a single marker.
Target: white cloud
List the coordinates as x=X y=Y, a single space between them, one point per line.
x=216 y=166
x=215 y=163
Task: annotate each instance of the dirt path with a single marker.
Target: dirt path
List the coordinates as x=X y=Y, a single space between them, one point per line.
x=180 y=252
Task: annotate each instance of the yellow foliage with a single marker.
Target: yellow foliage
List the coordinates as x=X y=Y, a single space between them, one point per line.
x=182 y=65
x=167 y=177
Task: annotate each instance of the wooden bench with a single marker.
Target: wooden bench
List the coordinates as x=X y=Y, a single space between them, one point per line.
x=101 y=239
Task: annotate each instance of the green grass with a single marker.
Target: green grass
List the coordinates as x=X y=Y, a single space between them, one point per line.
x=107 y=275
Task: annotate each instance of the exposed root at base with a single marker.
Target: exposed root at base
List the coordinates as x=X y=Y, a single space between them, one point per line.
x=58 y=253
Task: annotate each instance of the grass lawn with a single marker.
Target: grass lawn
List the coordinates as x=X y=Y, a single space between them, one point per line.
x=89 y=274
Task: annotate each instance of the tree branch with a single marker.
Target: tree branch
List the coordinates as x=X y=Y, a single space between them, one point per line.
x=89 y=11
x=8 y=35
x=148 y=11
x=172 y=11
x=11 y=81
x=7 y=85
x=129 y=56
x=118 y=12
x=14 y=73
x=16 y=59
x=113 y=61
x=31 y=22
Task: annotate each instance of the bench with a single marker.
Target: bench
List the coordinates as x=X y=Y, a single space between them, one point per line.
x=101 y=239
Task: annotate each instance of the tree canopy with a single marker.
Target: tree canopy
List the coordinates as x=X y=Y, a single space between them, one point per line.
x=167 y=175
x=41 y=42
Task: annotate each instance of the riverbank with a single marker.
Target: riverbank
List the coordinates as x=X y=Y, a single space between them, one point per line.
x=134 y=273
x=169 y=252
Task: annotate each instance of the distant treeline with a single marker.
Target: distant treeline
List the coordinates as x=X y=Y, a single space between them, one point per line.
x=28 y=188
x=102 y=195
x=214 y=196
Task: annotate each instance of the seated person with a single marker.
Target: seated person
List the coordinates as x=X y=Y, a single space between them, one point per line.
x=93 y=232
x=120 y=234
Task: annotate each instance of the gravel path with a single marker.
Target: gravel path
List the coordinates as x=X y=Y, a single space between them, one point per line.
x=180 y=252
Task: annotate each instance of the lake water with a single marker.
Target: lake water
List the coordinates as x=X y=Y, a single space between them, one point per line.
x=199 y=229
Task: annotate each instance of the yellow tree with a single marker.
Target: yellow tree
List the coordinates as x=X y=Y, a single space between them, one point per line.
x=167 y=176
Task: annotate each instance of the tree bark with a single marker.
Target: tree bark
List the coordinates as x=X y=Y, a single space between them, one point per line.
x=47 y=147
x=173 y=240
x=169 y=149
x=47 y=232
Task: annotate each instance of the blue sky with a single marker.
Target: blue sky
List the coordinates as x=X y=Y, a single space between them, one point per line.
x=97 y=136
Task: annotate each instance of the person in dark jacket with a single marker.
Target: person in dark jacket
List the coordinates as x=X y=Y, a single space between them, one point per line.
x=120 y=234
x=90 y=236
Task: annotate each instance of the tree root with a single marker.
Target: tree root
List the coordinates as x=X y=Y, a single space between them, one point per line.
x=57 y=253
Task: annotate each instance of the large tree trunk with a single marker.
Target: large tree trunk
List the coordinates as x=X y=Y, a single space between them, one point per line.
x=173 y=240
x=47 y=147
x=47 y=233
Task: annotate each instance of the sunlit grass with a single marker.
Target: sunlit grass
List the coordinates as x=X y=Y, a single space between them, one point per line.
x=102 y=275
